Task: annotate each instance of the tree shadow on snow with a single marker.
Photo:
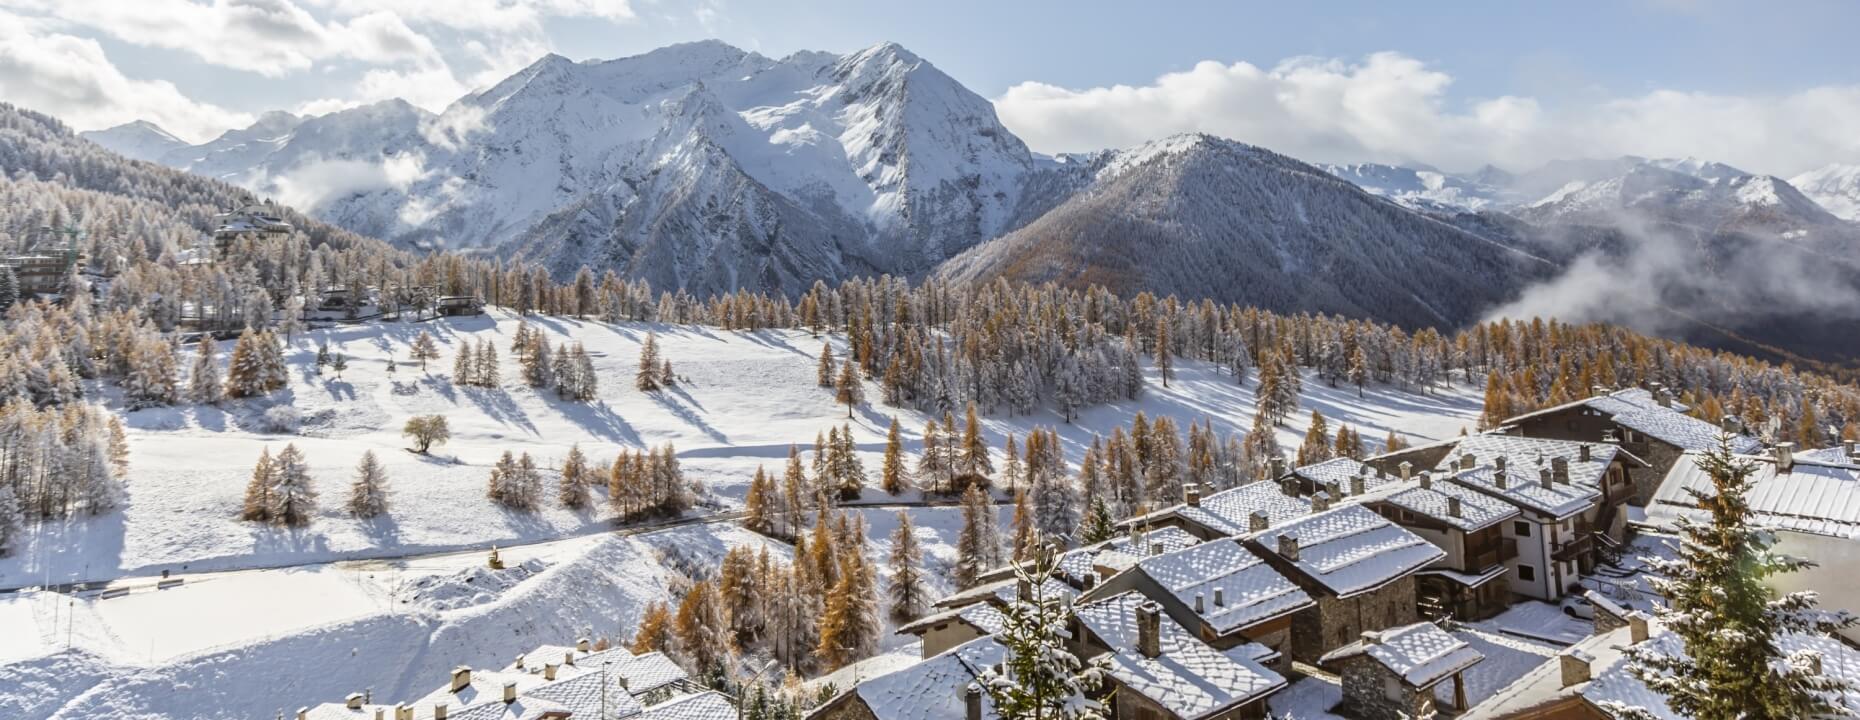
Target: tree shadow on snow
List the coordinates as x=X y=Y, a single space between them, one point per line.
x=689 y=416
x=601 y=421
x=381 y=529
x=496 y=404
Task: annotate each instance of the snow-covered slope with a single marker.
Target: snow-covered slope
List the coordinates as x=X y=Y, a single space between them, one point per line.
x=140 y=139
x=1424 y=188
x=1686 y=192
x=1204 y=217
x=1835 y=187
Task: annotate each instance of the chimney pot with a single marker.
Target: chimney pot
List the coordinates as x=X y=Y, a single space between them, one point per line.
x=439 y=712
x=461 y=678
x=1849 y=447
x=1359 y=485
x=380 y=713
x=549 y=671
x=582 y=644
x=1575 y=666
x=1193 y=495
x=403 y=712
x=1156 y=548
x=1407 y=469
x=568 y=658
x=1149 y=629
x=1785 y=456
x=353 y=701
x=1468 y=461
x=519 y=666
x=1453 y=506
x=1334 y=489
x=972 y=702
x=1258 y=521
x=1220 y=598
x=1288 y=547
x=1277 y=466
x=1320 y=502
x=1427 y=480
x=1559 y=466
x=1583 y=452
x=1637 y=627
x=1381 y=474
x=1499 y=479
x=1543 y=477
x=1500 y=462
x=303 y=713
x=510 y=692
x=1288 y=486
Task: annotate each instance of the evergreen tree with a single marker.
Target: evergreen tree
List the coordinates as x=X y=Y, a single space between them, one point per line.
x=975 y=447
x=850 y=391
x=1041 y=679
x=932 y=464
x=257 y=506
x=908 y=593
x=647 y=379
x=1011 y=472
x=759 y=504
x=849 y=626
x=976 y=546
x=368 y=494
x=892 y=480
x=464 y=368
x=293 y=500
x=1316 y=448
x=573 y=487
x=204 y=385
x=824 y=373
x=1729 y=621
x=339 y=363
x=1099 y=526
x=484 y=371
x=424 y=349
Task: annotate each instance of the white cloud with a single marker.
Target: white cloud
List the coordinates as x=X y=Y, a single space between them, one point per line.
x=315 y=181
x=71 y=78
x=1388 y=107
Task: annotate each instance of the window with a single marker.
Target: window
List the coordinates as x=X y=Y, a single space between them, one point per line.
x=1527 y=573
x=1520 y=528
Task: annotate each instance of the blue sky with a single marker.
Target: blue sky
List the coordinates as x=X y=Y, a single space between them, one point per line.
x=1770 y=85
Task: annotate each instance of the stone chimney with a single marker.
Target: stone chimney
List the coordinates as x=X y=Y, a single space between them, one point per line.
x=1089 y=581
x=1381 y=474
x=1584 y=453
x=1407 y=470
x=353 y=701
x=1453 y=506
x=1334 y=489
x=1499 y=479
x=1320 y=502
x=972 y=702
x=1258 y=521
x=582 y=645
x=1850 y=448
x=1663 y=396
x=1288 y=547
x=519 y=664
x=1192 y=495
x=1427 y=480
x=1637 y=627
x=549 y=671
x=1543 y=477
x=1220 y=597
x=1575 y=666
x=1277 y=467
x=303 y=713
x=461 y=678
x=403 y=711
x=380 y=713
x=1785 y=456
x=568 y=658
x=510 y=692
x=439 y=711
x=1501 y=462
x=1156 y=548
x=1200 y=607
x=1731 y=424
x=1468 y=461
x=1149 y=629
x=1359 y=485
x=1559 y=468
x=1288 y=486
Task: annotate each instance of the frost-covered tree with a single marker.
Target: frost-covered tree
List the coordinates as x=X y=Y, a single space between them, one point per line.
x=647 y=379
x=572 y=489
x=974 y=458
x=204 y=385
x=424 y=348
x=1729 y=620
x=1041 y=679
x=907 y=591
x=700 y=629
x=426 y=431
x=257 y=506
x=933 y=463
x=824 y=372
x=891 y=478
x=1317 y=446
x=368 y=495
x=1098 y=525
x=293 y=499
x=849 y=390
x=978 y=545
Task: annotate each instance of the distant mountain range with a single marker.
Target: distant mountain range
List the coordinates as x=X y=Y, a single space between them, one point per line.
x=709 y=168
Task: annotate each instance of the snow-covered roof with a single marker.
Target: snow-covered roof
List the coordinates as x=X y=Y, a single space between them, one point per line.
x=1004 y=590
x=1477 y=510
x=1817 y=498
x=1187 y=677
x=1544 y=684
x=935 y=688
x=707 y=705
x=1617 y=685
x=1422 y=654
x=1638 y=410
x=522 y=709
x=1229 y=511
x=534 y=660
x=485 y=685
x=1837 y=455
x=648 y=672
x=1340 y=470
x=342 y=711
x=1351 y=549
x=582 y=695
x=982 y=616
x=1528 y=455
x=1170 y=538
x=1251 y=591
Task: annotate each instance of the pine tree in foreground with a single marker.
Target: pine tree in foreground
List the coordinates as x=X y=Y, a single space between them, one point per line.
x=1098 y=526
x=907 y=592
x=1041 y=679
x=1730 y=622
x=368 y=494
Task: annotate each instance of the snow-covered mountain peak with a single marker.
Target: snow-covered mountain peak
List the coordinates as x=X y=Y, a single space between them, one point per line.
x=139 y=139
x=1425 y=188
x=1834 y=187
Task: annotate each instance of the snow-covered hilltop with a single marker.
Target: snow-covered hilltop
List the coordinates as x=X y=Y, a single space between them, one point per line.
x=1835 y=187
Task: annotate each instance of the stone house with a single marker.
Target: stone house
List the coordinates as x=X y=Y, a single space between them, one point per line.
x=1218 y=591
x=1358 y=567
x=1392 y=674
x=1645 y=422
x=1469 y=583
x=1229 y=512
x=1158 y=670
x=938 y=688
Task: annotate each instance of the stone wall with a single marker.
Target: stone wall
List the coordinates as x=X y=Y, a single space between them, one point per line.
x=1335 y=622
x=1373 y=692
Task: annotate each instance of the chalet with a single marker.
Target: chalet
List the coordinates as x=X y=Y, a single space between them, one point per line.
x=1085 y=565
x=942 y=687
x=1645 y=422
x=1469 y=583
x=1157 y=670
x=1229 y=512
x=944 y=630
x=1356 y=565
x=1340 y=477
x=1222 y=593
x=260 y=221
x=1391 y=674
x=458 y=305
x=1812 y=506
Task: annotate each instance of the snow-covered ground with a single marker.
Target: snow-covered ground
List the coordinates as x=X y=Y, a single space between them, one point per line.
x=393 y=603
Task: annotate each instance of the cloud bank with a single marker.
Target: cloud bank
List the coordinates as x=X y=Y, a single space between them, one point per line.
x=1389 y=107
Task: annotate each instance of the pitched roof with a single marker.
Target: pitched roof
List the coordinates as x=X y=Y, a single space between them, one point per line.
x=1528 y=454
x=1525 y=459
x=707 y=705
x=583 y=695
x=522 y=709
x=1477 y=510
x=1187 y=677
x=1229 y=511
x=1422 y=654
x=1617 y=685
x=485 y=685
x=1351 y=549
x=1340 y=470
x=1004 y=590
x=933 y=689
x=1543 y=684
x=1822 y=499
x=1837 y=455
x=1251 y=591
x=1638 y=410
x=984 y=617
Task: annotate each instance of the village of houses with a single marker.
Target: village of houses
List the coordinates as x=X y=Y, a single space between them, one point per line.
x=1495 y=575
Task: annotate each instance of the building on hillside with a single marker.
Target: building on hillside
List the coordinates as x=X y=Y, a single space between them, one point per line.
x=1357 y=565
x=1646 y=422
x=1848 y=452
x=1340 y=477
x=944 y=630
x=942 y=687
x=1229 y=512
x=1470 y=582
x=1222 y=593
x=1392 y=674
x=1813 y=507
x=42 y=273
x=1080 y=566
x=458 y=305
x=705 y=705
x=1156 y=669
x=258 y=221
